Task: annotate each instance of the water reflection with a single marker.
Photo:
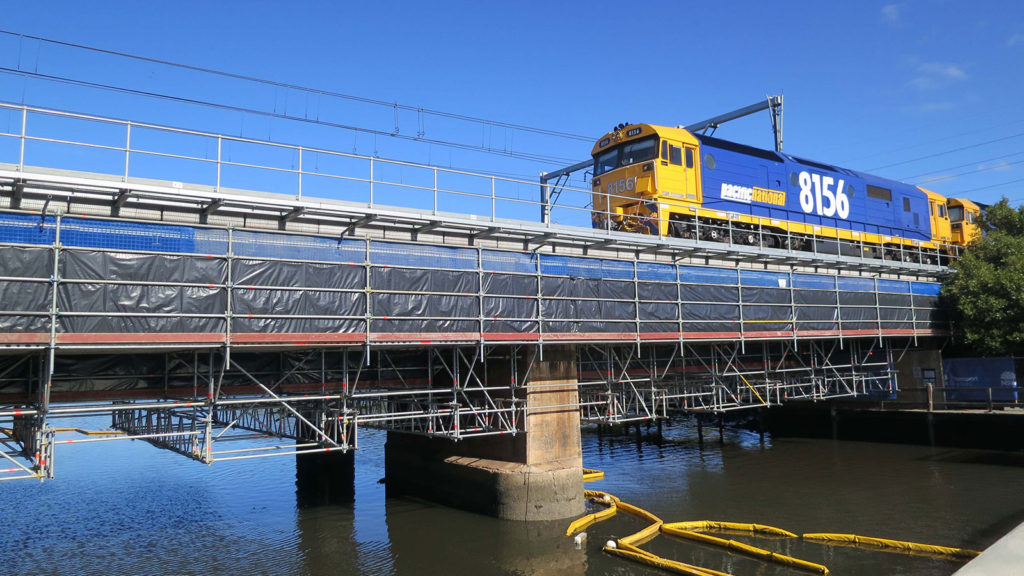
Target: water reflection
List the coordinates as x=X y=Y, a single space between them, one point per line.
x=128 y=508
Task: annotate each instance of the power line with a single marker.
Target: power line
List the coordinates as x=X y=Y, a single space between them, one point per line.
x=1005 y=156
x=180 y=99
x=310 y=90
x=992 y=186
x=951 y=176
x=937 y=154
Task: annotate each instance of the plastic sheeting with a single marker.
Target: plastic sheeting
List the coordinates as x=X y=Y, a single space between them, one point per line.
x=119 y=276
x=971 y=378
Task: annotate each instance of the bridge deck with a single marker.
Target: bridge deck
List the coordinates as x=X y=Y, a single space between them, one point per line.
x=207 y=311
x=76 y=281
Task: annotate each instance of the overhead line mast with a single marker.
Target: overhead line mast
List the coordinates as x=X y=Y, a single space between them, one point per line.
x=549 y=192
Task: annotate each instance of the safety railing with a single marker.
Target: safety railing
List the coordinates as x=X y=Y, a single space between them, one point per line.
x=934 y=398
x=130 y=151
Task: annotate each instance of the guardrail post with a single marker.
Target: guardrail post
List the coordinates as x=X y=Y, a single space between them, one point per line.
x=371 y=182
x=21 y=151
x=300 y=173
x=989 y=398
x=931 y=405
x=127 y=148
x=220 y=142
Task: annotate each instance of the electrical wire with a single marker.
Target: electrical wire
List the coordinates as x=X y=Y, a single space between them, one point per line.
x=937 y=154
x=310 y=90
x=191 y=101
x=976 y=162
x=1000 y=185
x=969 y=172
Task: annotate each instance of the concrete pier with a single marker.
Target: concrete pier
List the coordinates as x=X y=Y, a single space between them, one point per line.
x=324 y=478
x=536 y=475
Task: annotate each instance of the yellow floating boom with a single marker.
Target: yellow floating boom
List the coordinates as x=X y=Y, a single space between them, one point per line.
x=627 y=547
x=867 y=542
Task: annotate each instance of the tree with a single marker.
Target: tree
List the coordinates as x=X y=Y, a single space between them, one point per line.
x=985 y=294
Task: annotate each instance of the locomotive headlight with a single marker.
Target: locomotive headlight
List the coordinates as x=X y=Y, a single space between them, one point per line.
x=596 y=182
x=648 y=167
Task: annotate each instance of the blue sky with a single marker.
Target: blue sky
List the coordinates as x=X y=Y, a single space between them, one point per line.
x=929 y=92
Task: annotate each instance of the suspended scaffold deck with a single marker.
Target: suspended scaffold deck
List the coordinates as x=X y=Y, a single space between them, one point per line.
x=206 y=313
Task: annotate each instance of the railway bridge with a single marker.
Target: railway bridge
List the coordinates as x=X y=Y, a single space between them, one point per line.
x=230 y=298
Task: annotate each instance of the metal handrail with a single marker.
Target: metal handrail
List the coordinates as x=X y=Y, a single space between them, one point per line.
x=488 y=190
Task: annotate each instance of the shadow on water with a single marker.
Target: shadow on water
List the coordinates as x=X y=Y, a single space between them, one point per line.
x=980 y=457
x=441 y=540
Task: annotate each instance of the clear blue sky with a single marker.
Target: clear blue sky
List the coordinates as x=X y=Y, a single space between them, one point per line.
x=931 y=93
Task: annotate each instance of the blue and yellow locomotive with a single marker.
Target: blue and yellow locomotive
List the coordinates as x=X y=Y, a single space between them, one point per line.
x=669 y=182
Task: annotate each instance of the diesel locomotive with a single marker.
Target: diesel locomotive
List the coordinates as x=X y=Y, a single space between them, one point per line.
x=670 y=182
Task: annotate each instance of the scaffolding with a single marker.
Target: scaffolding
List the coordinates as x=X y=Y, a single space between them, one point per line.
x=217 y=323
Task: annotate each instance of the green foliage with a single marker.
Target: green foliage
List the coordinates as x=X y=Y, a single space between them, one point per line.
x=986 y=293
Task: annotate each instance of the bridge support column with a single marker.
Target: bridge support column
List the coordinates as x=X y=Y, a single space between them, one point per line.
x=536 y=475
x=325 y=478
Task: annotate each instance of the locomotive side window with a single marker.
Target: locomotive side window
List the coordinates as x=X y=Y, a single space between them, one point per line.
x=689 y=157
x=906 y=205
x=879 y=193
x=664 y=149
x=675 y=154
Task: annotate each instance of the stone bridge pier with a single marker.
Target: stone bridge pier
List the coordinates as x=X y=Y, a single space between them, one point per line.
x=533 y=475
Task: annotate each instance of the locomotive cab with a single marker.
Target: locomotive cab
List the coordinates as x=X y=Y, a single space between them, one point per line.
x=963 y=217
x=939 y=218
x=642 y=175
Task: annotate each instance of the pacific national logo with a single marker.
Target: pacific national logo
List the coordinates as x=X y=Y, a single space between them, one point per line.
x=737 y=193
x=746 y=195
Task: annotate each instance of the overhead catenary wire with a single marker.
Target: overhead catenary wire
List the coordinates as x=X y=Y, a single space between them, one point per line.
x=279 y=115
x=974 y=163
x=298 y=87
x=945 y=152
x=484 y=147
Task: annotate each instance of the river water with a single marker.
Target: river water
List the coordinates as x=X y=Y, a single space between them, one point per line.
x=128 y=508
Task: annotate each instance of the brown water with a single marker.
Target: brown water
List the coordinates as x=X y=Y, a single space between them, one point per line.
x=127 y=508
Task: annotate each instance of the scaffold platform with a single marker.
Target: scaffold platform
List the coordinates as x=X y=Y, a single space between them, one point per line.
x=195 y=314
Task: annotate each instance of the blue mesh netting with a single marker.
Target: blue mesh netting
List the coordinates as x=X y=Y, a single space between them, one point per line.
x=27 y=229
x=814 y=282
x=655 y=272
x=585 y=267
x=119 y=235
x=857 y=284
x=697 y=275
x=294 y=247
x=494 y=261
x=395 y=254
x=925 y=288
x=210 y=241
x=899 y=287
x=764 y=279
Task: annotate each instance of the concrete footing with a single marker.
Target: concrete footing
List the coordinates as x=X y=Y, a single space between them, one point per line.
x=433 y=469
x=533 y=475
x=325 y=478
